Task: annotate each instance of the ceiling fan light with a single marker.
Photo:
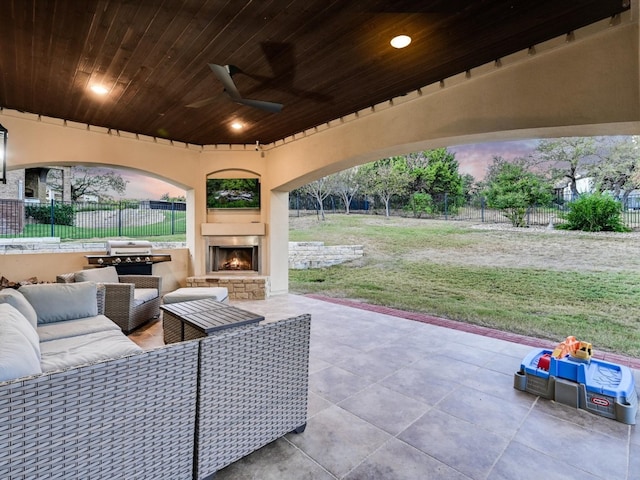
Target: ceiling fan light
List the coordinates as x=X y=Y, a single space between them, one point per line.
x=237 y=126
x=400 y=41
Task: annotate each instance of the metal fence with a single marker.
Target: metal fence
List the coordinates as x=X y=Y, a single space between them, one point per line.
x=20 y=219
x=65 y=220
x=474 y=209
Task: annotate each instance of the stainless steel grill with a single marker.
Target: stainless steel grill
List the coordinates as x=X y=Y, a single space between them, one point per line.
x=129 y=257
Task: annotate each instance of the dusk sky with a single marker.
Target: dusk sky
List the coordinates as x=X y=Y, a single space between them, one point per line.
x=473 y=159
x=142 y=187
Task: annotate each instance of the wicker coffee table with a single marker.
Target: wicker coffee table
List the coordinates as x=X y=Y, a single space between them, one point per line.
x=199 y=318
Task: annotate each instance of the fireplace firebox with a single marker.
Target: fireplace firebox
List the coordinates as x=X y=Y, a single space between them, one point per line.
x=233 y=254
x=236 y=258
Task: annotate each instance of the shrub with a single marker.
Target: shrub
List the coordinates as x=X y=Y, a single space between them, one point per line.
x=419 y=204
x=446 y=204
x=62 y=214
x=594 y=213
x=514 y=190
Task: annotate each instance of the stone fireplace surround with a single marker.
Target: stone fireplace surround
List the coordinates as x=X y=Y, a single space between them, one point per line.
x=240 y=287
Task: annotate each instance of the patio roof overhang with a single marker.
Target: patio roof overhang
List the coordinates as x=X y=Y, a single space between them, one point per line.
x=322 y=60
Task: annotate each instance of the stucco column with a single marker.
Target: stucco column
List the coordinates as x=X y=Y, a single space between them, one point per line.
x=278 y=252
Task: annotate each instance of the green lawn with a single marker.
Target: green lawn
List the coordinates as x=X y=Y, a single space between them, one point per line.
x=157 y=231
x=601 y=307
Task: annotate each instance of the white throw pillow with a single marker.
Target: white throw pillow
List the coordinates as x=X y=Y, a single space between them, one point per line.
x=98 y=275
x=10 y=315
x=55 y=302
x=18 y=357
x=16 y=300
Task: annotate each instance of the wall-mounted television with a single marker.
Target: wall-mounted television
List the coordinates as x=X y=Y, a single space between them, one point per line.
x=233 y=193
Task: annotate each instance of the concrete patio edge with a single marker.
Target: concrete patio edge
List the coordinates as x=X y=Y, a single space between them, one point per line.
x=470 y=328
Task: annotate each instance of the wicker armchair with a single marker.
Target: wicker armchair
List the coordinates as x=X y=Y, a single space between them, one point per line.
x=129 y=302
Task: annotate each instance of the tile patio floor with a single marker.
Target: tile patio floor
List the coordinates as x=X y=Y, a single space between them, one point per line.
x=392 y=398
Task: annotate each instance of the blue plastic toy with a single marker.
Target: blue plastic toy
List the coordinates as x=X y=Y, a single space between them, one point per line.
x=570 y=376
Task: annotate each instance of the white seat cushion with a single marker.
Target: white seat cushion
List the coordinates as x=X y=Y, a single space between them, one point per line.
x=83 y=349
x=73 y=328
x=220 y=294
x=143 y=295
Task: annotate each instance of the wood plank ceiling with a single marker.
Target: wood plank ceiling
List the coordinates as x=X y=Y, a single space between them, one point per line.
x=322 y=59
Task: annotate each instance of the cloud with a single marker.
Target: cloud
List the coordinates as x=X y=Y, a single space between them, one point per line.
x=152 y=189
x=475 y=158
x=142 y=187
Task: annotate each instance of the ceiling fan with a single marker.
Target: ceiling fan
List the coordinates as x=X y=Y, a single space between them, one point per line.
x=225 y=74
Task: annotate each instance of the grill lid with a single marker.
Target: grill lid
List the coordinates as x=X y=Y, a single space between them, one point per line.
x=128 y=247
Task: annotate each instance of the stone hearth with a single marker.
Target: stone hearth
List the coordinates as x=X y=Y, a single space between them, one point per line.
x=240 y=287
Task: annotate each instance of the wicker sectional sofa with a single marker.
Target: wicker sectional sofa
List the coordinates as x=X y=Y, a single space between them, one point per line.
x=181 y=411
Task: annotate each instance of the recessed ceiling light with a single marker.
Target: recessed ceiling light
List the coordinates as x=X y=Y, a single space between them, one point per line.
x=99 y=89
x=400 y=41
x=236 y=126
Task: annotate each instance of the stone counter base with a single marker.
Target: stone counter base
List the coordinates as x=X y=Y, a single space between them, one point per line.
x=240 y=287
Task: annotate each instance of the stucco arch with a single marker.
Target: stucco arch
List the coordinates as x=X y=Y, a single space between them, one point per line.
x=237 y=172
x=584 y=84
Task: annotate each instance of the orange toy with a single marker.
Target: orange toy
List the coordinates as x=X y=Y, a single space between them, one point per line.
x=573 y=347
x=567 y=347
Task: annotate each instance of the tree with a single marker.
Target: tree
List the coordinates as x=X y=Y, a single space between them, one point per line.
x=319 y=189
x=89 y=181
x=167 y=198
x=615 y=172
x=435 y=172
x=386 y=178
x=469 y=186
x=566 y=157
x=346 y=184
x=514 y=190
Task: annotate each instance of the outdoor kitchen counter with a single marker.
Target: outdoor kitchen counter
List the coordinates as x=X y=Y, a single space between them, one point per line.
x=133 y=257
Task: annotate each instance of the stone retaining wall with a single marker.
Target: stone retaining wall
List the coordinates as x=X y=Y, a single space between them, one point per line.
x=304 y=255
x=53 y=245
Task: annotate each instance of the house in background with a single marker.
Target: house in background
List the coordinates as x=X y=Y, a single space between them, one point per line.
x=584 y=184
x=30 y=185
x=630 y=200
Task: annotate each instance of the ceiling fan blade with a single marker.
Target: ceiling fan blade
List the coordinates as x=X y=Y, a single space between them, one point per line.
x=224 y=75
x=201 y=103
x=269 y=106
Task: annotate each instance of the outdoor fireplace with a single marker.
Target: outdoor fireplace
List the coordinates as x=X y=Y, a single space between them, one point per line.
x=240 y=258
x=233 y=254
